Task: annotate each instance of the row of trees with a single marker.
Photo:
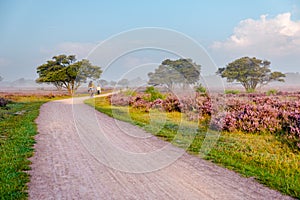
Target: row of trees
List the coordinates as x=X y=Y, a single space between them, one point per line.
x=66 y=72
x=250 y=72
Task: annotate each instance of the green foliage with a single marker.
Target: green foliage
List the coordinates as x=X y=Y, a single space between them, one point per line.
x=250 y=72
x=153 y=94
x=201 y=89
x=64 y=72
x=232 y=91
x=250 y=90
x=181 y=71
x=271 y=92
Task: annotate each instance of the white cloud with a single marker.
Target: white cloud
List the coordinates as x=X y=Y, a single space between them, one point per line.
x=275 y=38
x=81 y=50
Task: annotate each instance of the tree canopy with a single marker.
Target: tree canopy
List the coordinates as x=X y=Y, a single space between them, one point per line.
x=103 y=82
x=175 y=72
x=65 y=72
x=250 y=72
x=124 y=82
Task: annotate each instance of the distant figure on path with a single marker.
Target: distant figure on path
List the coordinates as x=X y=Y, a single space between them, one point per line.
x=98 y=89
x=91 y=88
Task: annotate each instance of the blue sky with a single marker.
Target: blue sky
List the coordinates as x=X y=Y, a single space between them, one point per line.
x=32 y=31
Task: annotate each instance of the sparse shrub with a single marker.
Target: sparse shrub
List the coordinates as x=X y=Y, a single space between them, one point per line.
x=232 y=91
x=250 y=90
x=200 y=88
x=271 y=92
x=153 y=94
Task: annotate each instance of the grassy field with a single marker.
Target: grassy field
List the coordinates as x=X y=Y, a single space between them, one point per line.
x=16 y=141
x=264 y=157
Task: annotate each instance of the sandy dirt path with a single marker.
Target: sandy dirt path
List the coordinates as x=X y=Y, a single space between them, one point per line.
x=71 y=161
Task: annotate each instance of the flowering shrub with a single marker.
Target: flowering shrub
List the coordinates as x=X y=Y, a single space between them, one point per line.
x=119 y=100
x=171 y=103
x=250 y=113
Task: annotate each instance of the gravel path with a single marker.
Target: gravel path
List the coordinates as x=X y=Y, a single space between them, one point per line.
x=83 y=154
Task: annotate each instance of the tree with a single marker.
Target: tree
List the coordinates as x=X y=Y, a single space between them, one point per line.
x=113 y=83
x=103 y=82
x=65 y=72
x=124 y=82
x=181 y=72
x=250 y=72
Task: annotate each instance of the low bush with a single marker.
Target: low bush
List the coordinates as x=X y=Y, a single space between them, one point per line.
x=200 y=89
x=271 y=92
x=153 y=94
x=232 y=91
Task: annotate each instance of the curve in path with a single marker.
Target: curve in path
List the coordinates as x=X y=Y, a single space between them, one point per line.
x=63 y=167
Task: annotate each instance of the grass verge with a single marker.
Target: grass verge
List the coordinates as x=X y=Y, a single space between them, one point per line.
x=264 y=157
x=16 y=143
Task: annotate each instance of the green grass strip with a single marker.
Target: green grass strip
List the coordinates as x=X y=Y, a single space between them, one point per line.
x=16 y=141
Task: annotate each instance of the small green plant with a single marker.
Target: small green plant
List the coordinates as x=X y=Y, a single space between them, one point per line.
x=250 y=90
x=271 y=92
x=200 y=88
x=154 y=94
x=232 y=91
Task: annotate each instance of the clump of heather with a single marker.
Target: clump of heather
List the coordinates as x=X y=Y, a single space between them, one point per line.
x=249 y=113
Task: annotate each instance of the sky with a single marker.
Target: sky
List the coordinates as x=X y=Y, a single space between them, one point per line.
x=33 y=31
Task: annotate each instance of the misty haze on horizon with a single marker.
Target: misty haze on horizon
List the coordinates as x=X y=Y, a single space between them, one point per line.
x=292 y=82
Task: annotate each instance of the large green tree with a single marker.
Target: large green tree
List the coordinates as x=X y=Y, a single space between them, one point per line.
x=175 y=72
x=65 y=72
x=250 y=72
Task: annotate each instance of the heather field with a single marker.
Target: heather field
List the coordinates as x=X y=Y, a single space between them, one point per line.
x=259 y=133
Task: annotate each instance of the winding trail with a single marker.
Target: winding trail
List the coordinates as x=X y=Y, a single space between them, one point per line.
x=72 y=161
